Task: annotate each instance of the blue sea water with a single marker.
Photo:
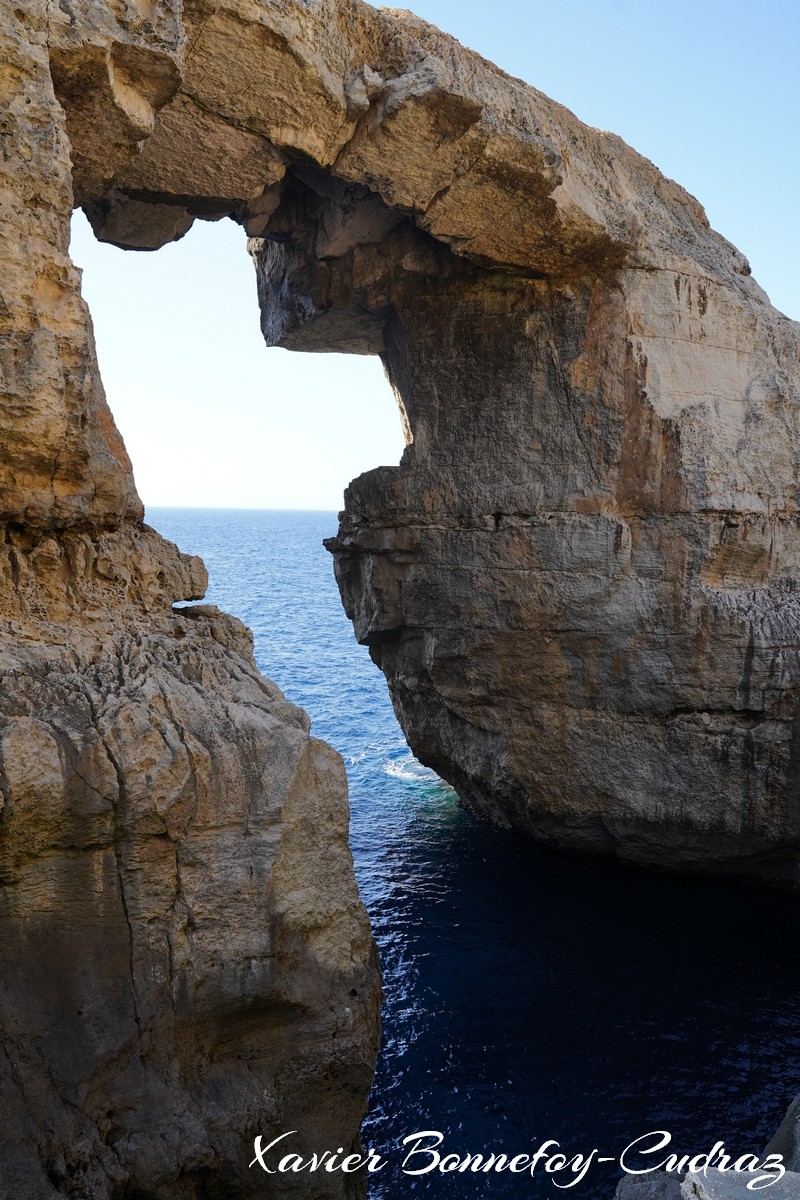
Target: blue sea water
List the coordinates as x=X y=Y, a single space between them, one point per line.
x=529 y=995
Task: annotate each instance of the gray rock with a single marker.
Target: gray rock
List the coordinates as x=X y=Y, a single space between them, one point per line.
x=133 y=225
x=786 y=1141
x=728 y=1185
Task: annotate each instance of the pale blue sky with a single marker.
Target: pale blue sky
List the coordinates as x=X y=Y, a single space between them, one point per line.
x=708 y=91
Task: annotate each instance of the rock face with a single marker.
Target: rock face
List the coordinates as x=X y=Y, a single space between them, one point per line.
x=787 y=1140
x=713 y=1184
x=580 y=582
x=186 y=961
x=719 y=1186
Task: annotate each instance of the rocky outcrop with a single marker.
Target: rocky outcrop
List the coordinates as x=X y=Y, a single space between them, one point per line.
x=580 y=581
x=714 y=1184
x=186 y=961
x=787 y=1140
x=719 y=1186
x=711 y=1185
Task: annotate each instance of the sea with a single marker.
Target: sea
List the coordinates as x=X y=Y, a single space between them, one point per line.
x=531 y=996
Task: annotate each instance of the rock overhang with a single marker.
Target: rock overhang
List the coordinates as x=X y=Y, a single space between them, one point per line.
x=478 y=159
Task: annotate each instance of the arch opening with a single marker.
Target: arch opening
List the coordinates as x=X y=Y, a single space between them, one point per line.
x=210 y=416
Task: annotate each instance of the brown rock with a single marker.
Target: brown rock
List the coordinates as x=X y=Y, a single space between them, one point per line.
x=62 y=461
x=186 y=961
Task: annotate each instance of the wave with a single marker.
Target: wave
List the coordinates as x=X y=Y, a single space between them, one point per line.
x=408 y=768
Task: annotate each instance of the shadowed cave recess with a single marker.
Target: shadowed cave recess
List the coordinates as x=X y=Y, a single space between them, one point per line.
x=579 y=582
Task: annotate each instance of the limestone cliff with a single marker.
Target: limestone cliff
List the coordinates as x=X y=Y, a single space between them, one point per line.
x=185 y=959
x=580 y=582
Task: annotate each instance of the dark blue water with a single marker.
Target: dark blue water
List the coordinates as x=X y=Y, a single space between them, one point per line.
x=528 y=995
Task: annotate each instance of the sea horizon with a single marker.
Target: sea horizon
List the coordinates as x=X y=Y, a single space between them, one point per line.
x=234 y=508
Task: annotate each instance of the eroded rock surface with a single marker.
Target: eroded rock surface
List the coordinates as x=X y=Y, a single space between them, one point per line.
x=185 y=959
x=580 y=582
x=711 y=1185
x=714 y=1184
x=786 y=1141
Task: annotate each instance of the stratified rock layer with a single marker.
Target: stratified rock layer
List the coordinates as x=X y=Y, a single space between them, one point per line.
x=186 y=961
x=580 y=582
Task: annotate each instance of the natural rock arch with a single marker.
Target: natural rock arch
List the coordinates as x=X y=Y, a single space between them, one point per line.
x=579 y=582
